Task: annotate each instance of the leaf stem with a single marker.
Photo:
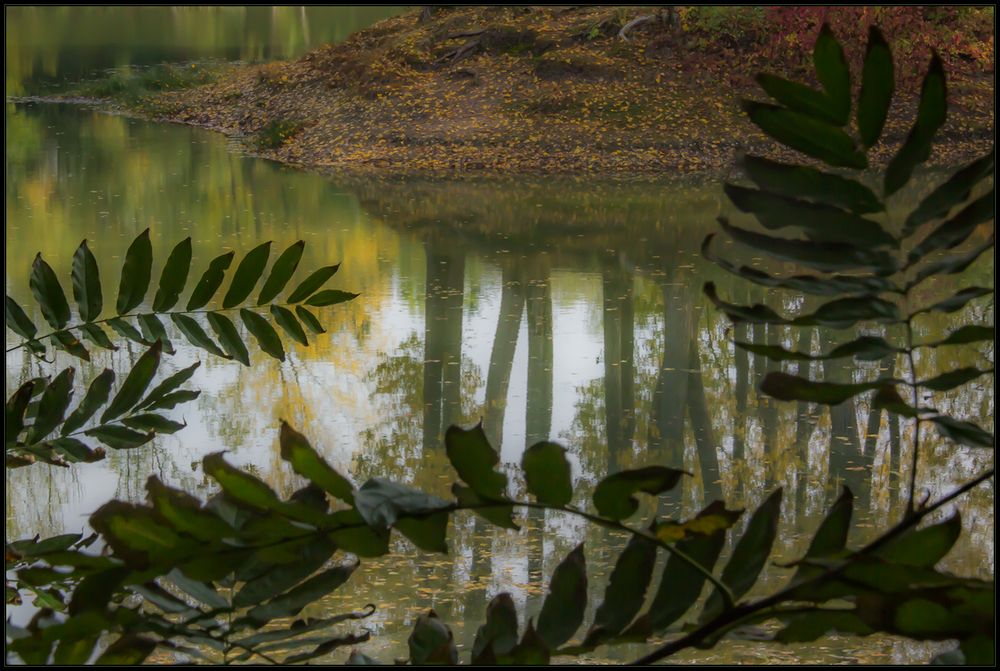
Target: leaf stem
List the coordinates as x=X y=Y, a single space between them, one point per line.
x=910 y=508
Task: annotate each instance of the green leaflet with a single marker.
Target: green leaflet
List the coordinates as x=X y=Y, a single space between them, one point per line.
x=285 y=318
x=196 y=335
x=136 y=273
x=312 y=284
x=566 y=602
x=96 y=396
x=246 y=275
x=174 y=276
x=309 y=319
x=86 y=284
x=877 y=87
x=931 y=114
x=799 y=97
x=954 y=191
x=813 y=138
x=265 y=334
x=614 y=495
x=52 y=406
x=474 y=459
x=810 y=183
x=305 y=461
x=210 y=281
x=229 y=337
x=95 y=334
x=281 y=272
x=833 y=73
x=330 y=297
x=135 y=384
x=17 y=320
x=547 y=473
x=48 y=292
x=498 y=634
x=626 y=589
x=785 y=387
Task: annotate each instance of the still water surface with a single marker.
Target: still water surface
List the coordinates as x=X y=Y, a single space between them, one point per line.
x=550 y=309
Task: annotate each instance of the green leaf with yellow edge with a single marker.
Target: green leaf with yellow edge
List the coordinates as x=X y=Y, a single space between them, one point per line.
x=712 y=520
x=614 y=495
x=296 y=450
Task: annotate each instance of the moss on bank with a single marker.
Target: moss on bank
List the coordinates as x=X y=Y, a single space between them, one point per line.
x=487 y=90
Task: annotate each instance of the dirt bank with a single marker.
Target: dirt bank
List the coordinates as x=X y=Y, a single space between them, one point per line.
x=472 y=91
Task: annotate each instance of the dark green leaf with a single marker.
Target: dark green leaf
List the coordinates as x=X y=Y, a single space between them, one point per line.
x=681 y=584
x=96 y=335
x=953 y=192
x=835 y=285
x=303 y=626
x=291 y=602
x=197 y=589
x=831 y=537
x=963 y=433
x=136 y=273
x=126 y=330
x=309 y=319
x=119 y=437
x=96 y=396
x=878 y=83
x=931 y=114
x=128 y=650
x=924 y=547
x=785 y=387
x=330 y=297
x=953 y=378
x=566 y=602
x=48 y=292
x=531 y=651
x=67 y=342
x=285 y=318
x=52 y=406
x=865 y=348
x=957 y=229
x=184 y=513
x=498 y=635
x=134 y=385
x=33 y=548
x=811 y=137
x=281 y=272
x=887 y=398
x=265 y=334
x=162 y=599
x=168 y=385
x=134 y=533
x=14 y=411
x=327 y=646
x=153 y=422
x=359 y=658
x=95 y=590
x=800 y=98
x=840 y=313
x=626 y=589
x=153 y=330
x=499 y=515
x=86 y=284
x=820 y=222
x=312 y=284
x=833 y=73
x=74 y=651
x=472 y=456
x=174 y=276
x=196 y=335
x=358 y=538
x=613 y=495
x=958 y=300
x=381 y=502
x=173 y=399
x=239 y=485
x=229 y=337
x=427 y=532
x=17 y=321
x=547 y=473
x=805 y=182
x=246 y=275
x=749 y=555
x=968 y=334
x=812 y=625
x=210 y=281
x=305 y=461
x=431 y=642
x=826 y=257
x=284 y=577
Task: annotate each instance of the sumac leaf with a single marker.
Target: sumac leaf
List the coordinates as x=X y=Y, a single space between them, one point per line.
x=877 y=87
x=86 y=284
x=931 y=112
x=247 y=274
x=136 y=273
x=210 y=281
x=48 y=292
x=173 y=277
x=281 y=272
x=312 y=284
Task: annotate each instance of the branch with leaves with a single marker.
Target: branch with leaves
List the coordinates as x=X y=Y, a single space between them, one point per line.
x=135 y=283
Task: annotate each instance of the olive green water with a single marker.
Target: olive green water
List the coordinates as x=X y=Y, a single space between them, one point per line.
x=554 y=309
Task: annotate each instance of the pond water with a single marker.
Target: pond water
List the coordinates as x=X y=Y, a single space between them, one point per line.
x=568 y=310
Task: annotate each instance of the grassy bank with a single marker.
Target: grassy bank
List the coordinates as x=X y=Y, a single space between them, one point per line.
x=585 y=90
